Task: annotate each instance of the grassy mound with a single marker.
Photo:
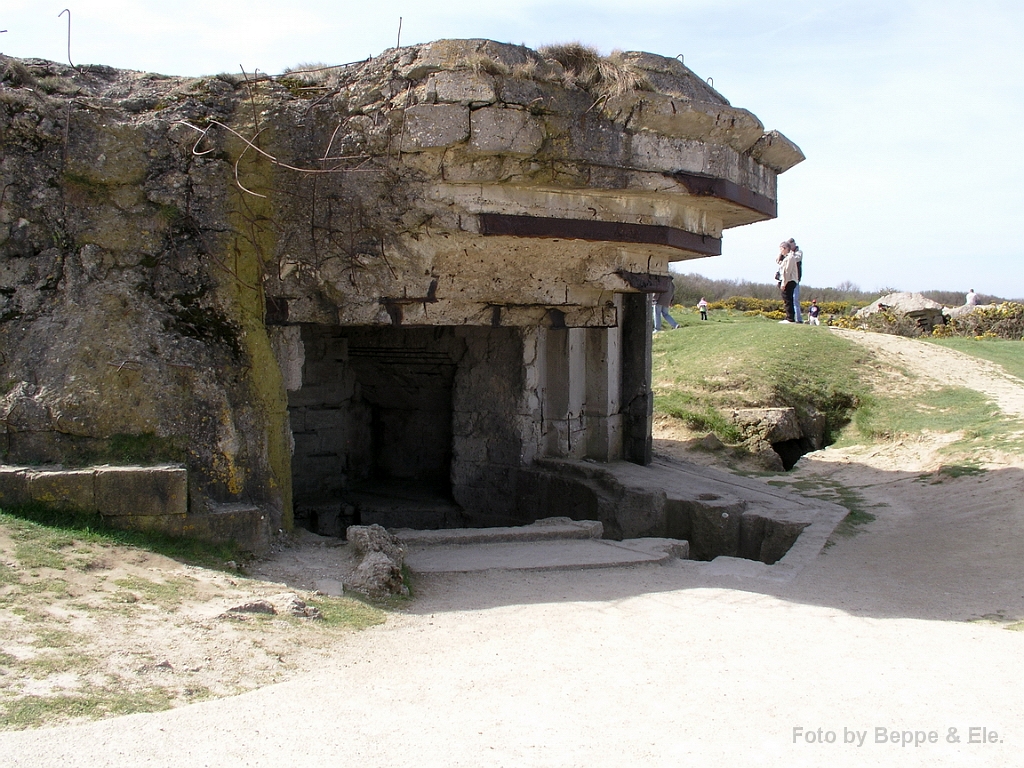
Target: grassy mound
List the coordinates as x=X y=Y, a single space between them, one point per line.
x=706 y=368
x=734 y=361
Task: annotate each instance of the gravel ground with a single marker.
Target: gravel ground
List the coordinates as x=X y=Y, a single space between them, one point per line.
x=896 y=646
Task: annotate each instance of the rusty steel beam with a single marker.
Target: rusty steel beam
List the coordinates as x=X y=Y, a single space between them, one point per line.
x=729 y=191
x=598 y=231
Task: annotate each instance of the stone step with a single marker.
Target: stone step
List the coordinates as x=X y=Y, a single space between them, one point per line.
x=550 y=555
x=549 y=528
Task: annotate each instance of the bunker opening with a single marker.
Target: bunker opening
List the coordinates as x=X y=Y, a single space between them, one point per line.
x=372 y=427
x=406 y=427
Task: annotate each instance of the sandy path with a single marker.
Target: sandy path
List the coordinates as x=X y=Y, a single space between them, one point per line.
x=652 y=666
x=945 y=366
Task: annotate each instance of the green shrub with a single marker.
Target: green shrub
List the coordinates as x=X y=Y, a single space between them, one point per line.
x=1003 y=321
x=774 y=308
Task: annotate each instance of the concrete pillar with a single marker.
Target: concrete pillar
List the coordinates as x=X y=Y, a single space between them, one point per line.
x=637 y=398
x=556 y=391
x=575 y=424
x=565 y=392
x=604 y=378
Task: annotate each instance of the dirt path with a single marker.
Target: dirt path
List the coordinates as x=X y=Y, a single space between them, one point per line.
x=945 y=366
x=900 y=632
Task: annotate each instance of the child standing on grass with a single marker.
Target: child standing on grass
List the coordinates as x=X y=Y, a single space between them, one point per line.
x=702 y=305
x=813 y=312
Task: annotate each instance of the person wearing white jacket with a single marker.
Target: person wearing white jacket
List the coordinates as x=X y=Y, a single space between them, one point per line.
x=789 y=276
x=795 y=249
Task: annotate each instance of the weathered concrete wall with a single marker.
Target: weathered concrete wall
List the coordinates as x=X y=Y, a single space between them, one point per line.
x=162 y=240
x=131 y=322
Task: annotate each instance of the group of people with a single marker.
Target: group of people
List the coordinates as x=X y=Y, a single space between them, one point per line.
x=790 y=272
x=790 y=264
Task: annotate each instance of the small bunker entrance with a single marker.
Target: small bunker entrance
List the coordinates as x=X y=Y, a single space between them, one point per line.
x=372 y=425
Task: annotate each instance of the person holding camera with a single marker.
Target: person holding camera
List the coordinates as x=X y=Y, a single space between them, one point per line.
x=795 y=250
x=788 y=278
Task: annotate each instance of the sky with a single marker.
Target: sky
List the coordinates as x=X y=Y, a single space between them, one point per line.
x=910 y=112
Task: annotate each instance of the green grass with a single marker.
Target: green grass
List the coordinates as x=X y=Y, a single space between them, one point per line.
x=34 y=711
x=38 y=601
x=943 y=410
x=56 y=587
x=49 y=637
x=960 y=470
x=167 y=593
x=858 y=509
x=1008 y=354
x=44 y=534
x=705 y=368
x=735 y=361
x=950 y=409
x=346 y=612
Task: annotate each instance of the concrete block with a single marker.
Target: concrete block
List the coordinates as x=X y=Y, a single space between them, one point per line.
x=33 y=447
x=65 y=488
x=660 y=153
x=505 y=131
x=13 y=486
x=525 y=93
x=703 y=121
x=776 y=151
x=334 y=440
x=773 y=425
x=326 y=418
x=244 y=524
x=463 y=87
x=26 y=414
x=172 y=525
x=450 y=54
x=319 y=465
x=306 y=444
x=435 y=125
x=141 y=491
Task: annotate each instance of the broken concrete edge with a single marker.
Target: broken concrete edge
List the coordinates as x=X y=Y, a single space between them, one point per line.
x=815 y=518
x=136 y=498
x=540 y=530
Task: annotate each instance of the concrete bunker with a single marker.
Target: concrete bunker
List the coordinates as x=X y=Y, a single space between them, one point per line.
x=422 y=273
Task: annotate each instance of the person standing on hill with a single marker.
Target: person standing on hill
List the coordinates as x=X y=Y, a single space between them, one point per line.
x=702 y=305
x=788 y=277
x=795 y=249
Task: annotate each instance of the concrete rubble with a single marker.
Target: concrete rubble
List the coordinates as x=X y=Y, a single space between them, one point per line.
x=380 y=557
